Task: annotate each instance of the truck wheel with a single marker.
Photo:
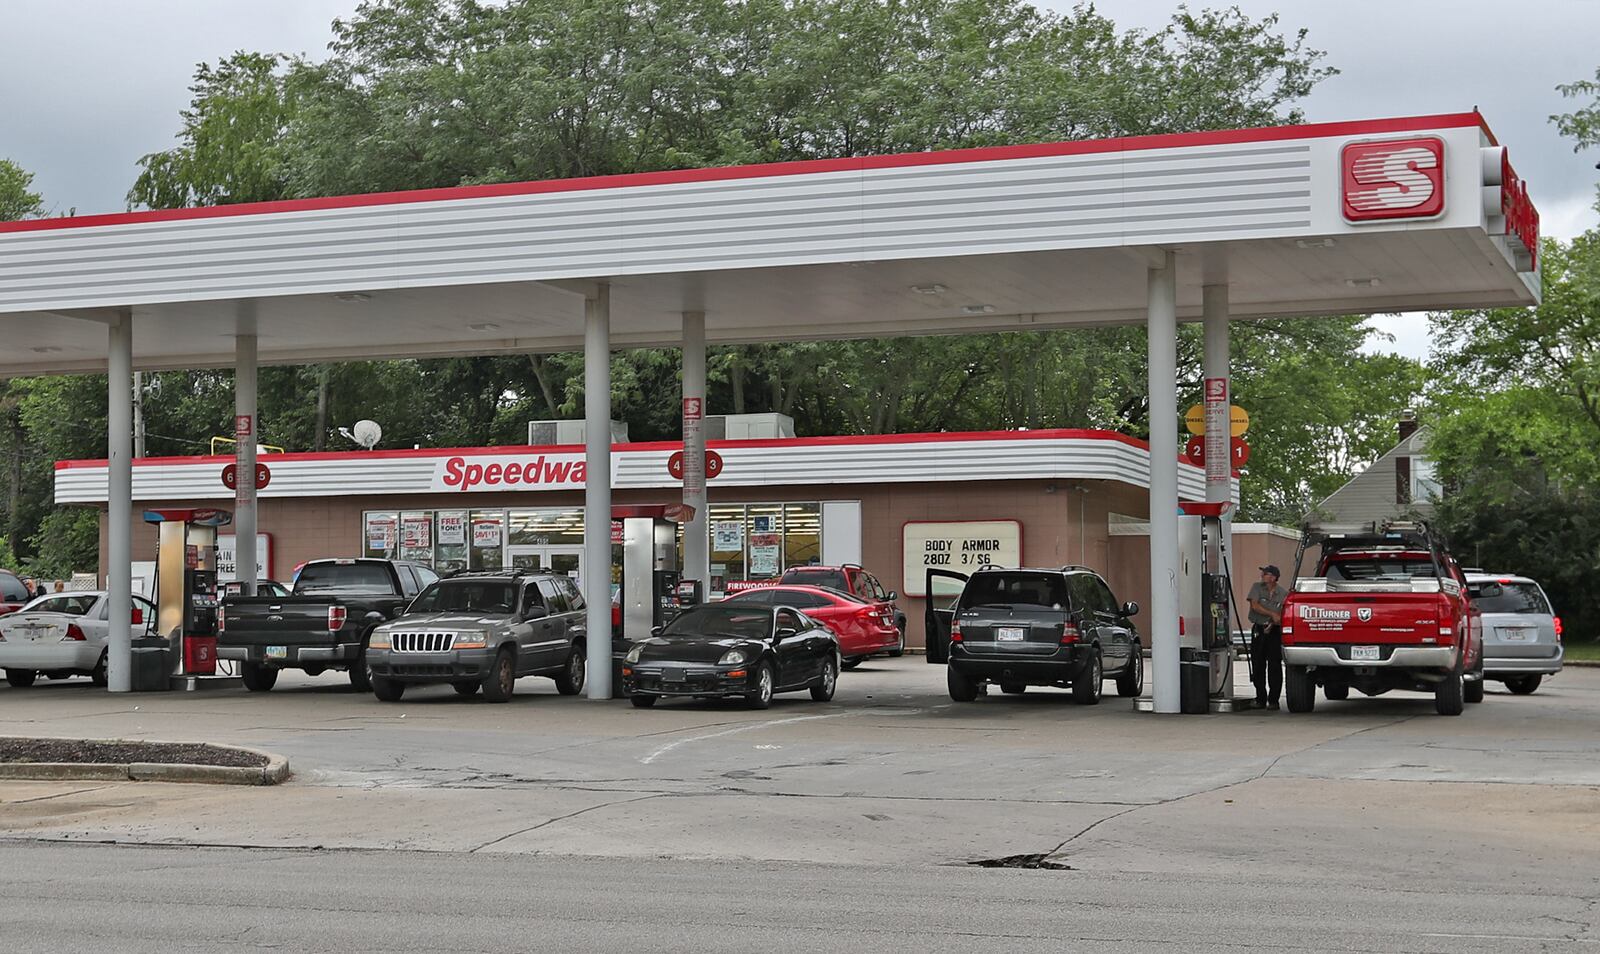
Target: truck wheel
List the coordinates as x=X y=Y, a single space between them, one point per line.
x=465 y=688
x=1524 y=685
x=761 y=696
x=570 y=682
x=502 y=678
x=1472 y=691
x=258 y=678
x=1448 y=698
x=21 y=678
x=642 y=702
x=1299 y=689
x=1086 y=688
x=1336 y=691
x=1131 y=682
x=360 y=675
x=387 y=690
x=962 y=688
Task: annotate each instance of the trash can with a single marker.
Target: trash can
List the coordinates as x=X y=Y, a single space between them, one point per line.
x=200 y=655
x=150 y=668
x=1194 y=681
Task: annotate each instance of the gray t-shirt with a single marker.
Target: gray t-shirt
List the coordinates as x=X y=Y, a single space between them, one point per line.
x=1272 y=598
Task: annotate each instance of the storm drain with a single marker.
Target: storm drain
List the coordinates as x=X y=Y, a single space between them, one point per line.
x=1036 y=860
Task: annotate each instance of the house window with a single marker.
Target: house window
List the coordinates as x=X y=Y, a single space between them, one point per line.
x=1425 y=487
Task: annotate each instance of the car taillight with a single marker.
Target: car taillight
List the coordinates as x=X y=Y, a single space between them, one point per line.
x=335 y=618
x=1069 y=633
x=222 y=620
x=955 y=630
x=1557 y=620
x=74 y=633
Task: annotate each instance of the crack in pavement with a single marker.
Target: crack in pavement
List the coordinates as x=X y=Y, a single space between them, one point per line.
x=558 y=818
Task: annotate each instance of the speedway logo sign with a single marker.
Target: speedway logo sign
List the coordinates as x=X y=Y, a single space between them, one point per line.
x=1393 y=179
x=487 y=473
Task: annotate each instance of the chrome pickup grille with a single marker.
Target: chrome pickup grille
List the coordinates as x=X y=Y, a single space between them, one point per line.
x=422 y=642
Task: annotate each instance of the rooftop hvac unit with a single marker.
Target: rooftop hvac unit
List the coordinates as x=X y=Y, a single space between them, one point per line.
x=546 y=433
x=748 y=427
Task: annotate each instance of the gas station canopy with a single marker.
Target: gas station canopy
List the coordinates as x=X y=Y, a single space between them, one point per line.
x=1354 y=217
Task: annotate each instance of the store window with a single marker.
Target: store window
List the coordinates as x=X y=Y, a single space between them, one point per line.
x=380 y=531
x=725 y=522
x=541 y=528
x=802 y=534
x=451 y=530
x=416 y=537
x=487 y=541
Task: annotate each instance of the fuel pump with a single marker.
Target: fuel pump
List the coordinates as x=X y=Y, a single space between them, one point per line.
x=1206 y=588
x=186 y=589
x=652 y=588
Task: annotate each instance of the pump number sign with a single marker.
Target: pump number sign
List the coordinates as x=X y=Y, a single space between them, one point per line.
x=963 y=547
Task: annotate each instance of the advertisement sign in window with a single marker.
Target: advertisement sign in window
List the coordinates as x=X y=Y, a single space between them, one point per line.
x=963 y=547
x=766 y=551
x=728 y=535
x=452 y=529
x=416 y=531
x=486 y=533
x=228 y=564
x=380 y=532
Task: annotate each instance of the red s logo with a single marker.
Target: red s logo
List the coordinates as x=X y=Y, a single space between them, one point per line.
x=1393 y=179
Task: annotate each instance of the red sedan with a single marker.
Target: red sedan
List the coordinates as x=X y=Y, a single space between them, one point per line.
x=862 y=628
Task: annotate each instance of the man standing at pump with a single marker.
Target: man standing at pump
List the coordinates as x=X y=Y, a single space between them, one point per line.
x=1266 y=637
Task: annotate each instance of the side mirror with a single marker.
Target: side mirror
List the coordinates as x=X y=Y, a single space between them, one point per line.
x=535 y=612
x=1130 y=608
x=893 y=595
x=784 y=632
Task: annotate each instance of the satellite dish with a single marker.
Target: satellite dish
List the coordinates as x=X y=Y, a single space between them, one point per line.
x=367 y=434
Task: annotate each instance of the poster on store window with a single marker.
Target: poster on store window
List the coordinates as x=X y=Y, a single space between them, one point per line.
x=380 y=533
x=727 y=535
x=416 y=532
x=961 y=547
x=452 y=529
x=766 y=550
x=486 y=533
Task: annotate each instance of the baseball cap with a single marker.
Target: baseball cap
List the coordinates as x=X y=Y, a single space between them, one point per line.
x=1269 y=568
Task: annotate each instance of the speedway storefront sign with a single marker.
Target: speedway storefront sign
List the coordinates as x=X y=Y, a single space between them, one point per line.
x=489 y=473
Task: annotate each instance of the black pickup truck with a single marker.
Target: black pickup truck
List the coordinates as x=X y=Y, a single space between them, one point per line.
x=323 y=624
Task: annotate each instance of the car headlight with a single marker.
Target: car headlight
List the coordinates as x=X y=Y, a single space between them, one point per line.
x=732 y=657
x=471 y=641
x=379 y=640
x=634 y=653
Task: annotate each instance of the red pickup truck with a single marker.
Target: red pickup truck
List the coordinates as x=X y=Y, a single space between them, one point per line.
x=1387 y=608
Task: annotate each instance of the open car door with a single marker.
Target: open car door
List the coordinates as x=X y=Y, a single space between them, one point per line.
x=943 y=589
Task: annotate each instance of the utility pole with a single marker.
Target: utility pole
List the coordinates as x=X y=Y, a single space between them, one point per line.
x=138 y=414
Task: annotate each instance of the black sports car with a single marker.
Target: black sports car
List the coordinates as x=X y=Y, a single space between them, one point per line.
x=734 y=649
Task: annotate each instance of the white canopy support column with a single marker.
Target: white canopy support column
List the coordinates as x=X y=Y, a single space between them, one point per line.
x=119 y=503
x=597 y=486
x=245 y=433
x=696 y=543
x=1162 y=323
x=1219 y=450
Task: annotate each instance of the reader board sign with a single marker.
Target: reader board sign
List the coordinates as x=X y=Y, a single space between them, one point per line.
x=961 y=546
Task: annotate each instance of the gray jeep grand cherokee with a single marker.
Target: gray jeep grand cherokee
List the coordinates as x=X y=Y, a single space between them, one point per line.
x=483 y=630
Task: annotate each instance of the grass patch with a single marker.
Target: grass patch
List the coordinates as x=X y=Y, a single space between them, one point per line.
x=1587 y=650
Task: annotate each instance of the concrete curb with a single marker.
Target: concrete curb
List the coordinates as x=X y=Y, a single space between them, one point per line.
x=274 y=772
x=1582 y=663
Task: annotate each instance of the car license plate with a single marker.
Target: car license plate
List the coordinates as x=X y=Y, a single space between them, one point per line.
x=1515 y=635
x=277 y=652
x=672 y=675
x=1011 y=634
x=1364 y=653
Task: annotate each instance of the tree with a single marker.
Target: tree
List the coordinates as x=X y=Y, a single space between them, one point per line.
x=1582 y=125
x=16 y=201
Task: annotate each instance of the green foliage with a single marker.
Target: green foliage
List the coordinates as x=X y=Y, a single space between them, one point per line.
x=1582 y=125
x=68 y=542
x=16 y=201
x=1516 y=433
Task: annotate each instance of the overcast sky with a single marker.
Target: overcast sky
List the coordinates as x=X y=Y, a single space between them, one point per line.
x=89 y=86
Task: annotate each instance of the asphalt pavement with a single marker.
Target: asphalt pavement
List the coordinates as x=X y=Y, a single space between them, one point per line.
x=562 y=824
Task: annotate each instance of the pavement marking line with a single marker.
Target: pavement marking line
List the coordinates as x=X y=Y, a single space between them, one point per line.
x=746 y=727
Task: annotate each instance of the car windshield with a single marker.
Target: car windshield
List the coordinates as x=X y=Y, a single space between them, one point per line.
x=365 y=578
x=466 y=596
x=1512 y=598
x=1046 y=590
x=833 y=579
x=721 y=620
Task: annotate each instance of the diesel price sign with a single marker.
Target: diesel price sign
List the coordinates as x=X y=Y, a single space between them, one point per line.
x=959 y=546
